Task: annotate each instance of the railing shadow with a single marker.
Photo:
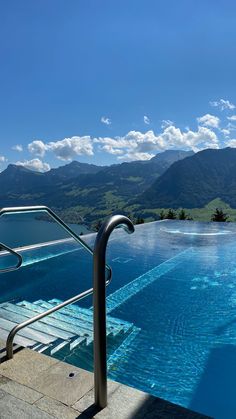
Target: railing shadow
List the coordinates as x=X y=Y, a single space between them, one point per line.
x=149 y=407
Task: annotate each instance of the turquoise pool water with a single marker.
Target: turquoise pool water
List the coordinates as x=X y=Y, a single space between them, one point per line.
x=176 y=281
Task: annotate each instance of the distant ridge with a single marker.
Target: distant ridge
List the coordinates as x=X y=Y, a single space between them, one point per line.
x=85 y=189
x=195 y=181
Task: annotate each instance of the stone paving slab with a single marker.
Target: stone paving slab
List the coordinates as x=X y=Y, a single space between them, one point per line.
x=18 y=390
x=35 y=386
x=125 y=403
x=48 y=376
x=58 y=409
x=14 y=408
x=56 y=383
x=25 y=366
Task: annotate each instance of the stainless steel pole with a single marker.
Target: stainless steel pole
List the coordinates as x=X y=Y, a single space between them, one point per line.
x=99 y=304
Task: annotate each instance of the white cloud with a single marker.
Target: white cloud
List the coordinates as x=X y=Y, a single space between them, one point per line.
x=231 y=118
x=111 y=150
x=105 y=120
x=17 y=147
x=68 y=148
x=34 y=164
x=222 y=104
x=37 y=147
x=136 y=145
x=231 y=143
x=2 y=159
x=136 y=156
x=65 y=149
x=146 y=120
x=225 y=132
x=166 y=123
x=209 y=121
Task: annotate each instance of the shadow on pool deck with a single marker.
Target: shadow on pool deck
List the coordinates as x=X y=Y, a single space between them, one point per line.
x=215 y=393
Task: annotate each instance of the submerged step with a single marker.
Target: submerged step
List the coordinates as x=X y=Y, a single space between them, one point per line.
x=20 y=340
x=61 y=333
x=19 y=317
x=114 y=326
x=66 y=323
x=27 y=332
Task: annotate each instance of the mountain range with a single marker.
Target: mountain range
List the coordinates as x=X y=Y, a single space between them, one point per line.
x=195 y=181
x=91 y=190
x=172 y=179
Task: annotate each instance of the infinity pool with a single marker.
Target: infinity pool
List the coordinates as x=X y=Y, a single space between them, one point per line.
x=176 y=282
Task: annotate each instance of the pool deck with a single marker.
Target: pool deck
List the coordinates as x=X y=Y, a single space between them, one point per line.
x=36 y=386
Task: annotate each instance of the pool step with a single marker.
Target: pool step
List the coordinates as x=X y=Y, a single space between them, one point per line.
x=68 y=330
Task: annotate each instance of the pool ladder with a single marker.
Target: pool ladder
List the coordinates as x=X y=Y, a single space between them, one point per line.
x=99 y=291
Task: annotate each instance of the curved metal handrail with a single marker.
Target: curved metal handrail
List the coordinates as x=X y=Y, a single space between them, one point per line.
x=38 y=208
x=13 y=252
x=17 y=328
x=99 y=304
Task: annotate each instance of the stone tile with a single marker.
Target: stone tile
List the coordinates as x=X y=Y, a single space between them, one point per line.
x=57 y=409
x=13 y=408
x=18 y=390
x=2 y=394
x=86 y=403
x=125 y=403
x=26 y=365
x=55 y=382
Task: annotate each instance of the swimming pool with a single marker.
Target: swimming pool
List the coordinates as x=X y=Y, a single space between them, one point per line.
x=176 y=282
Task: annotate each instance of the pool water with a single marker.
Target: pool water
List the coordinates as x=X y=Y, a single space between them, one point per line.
x=176 y=281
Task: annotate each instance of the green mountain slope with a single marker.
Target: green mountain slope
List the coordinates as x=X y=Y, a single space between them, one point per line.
x=92 y=190
x=195 y=181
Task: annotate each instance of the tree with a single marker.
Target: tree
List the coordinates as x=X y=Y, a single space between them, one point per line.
x=182 y=215
x=97 y=225
x=139 y=220
x=219 y=216
x=171 y=215
x=162 y=215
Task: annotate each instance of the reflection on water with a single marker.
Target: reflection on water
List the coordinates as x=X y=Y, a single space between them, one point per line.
x=195 y=233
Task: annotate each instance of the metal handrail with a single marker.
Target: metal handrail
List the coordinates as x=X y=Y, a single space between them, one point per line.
x=38 y=208
x=13 y=252
x=99 y=304
x=99 y=285
x=18 y=327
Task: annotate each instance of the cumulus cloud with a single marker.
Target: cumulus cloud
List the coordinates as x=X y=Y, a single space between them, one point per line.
x=68 y=148
x=136 y=156
x=136 y=145
x=222 y=104
x=225 y=132
x=231 y=118
x=34 y=164
x=65 y=149
x=105 y=120
x=146 y=120
x=231 y=143
x=2 y=159
x=17 y=147
x=209 y=121
x=166 y=123
x=37 y=147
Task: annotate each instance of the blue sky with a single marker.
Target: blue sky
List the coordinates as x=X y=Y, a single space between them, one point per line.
x=112 y=81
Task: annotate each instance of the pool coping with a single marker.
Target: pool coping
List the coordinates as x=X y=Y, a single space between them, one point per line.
x=33 y=385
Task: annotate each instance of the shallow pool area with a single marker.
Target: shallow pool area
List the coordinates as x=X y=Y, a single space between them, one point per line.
x=175 y=282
